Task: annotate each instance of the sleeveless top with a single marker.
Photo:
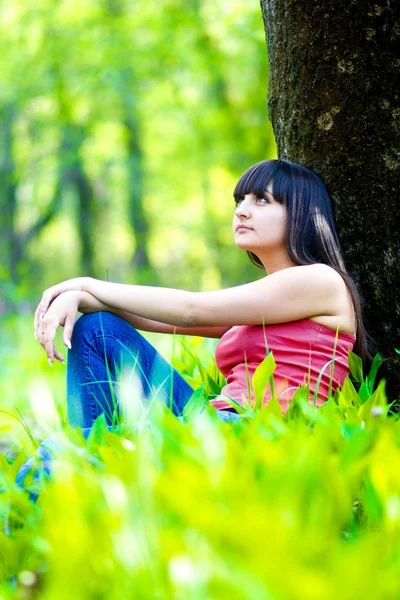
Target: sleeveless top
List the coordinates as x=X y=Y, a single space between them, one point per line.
x=297 y=346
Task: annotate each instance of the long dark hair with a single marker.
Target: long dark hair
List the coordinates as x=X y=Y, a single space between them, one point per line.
x=310 y=232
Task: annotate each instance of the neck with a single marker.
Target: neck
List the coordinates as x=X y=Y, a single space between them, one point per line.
x=276 y=261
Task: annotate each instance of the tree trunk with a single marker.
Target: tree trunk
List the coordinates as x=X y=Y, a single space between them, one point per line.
x=334 y=104
x=137 y=216
x=9 y=242
x=74 y=176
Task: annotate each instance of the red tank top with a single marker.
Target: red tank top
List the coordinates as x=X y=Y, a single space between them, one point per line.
x=298 y=346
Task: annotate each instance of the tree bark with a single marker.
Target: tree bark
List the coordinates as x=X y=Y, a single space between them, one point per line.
x=334 y=103
x=73 y=175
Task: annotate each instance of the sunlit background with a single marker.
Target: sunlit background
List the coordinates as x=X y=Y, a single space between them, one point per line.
x=124 y=126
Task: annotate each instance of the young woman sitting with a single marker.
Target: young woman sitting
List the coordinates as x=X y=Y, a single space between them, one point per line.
x=284 y=219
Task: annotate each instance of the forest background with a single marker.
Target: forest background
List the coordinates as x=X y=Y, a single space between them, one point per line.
x=123 y=132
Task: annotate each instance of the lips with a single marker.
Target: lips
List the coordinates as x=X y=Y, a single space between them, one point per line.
x=243 y=228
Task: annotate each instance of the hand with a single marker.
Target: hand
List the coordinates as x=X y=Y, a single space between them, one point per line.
x=78 y=283
x=62 y=312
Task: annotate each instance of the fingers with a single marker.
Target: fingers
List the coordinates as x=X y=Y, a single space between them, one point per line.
x=53 y=354
x=46 y=335
x=67 y=333
x=58 y=356
x=62 y=312
x=47 y=298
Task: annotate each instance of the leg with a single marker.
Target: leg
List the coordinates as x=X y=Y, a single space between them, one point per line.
x=102 y=344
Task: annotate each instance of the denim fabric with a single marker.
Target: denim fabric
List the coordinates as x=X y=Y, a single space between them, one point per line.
x=104 y=346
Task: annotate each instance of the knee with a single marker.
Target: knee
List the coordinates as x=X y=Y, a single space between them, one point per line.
x=93 y=323
x=85 y=321
x=99 y=324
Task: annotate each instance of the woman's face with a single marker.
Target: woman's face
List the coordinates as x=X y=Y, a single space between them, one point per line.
x=259 y=223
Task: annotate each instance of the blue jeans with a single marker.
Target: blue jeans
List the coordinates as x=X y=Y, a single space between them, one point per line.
x=103 y=346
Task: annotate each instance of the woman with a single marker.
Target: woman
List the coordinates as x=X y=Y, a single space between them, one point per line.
x=283 y=218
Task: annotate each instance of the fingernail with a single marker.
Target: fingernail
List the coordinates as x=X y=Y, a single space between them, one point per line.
x=34 y=335
x=68 y=344
x=63 y=362
x=50 y=363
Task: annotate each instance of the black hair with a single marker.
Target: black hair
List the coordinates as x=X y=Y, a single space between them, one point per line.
x=310 y=231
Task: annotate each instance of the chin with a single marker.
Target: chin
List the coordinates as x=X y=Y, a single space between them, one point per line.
x=242 y=244
x=246 y=247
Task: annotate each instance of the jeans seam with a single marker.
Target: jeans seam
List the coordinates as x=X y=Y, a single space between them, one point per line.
x=95 y=406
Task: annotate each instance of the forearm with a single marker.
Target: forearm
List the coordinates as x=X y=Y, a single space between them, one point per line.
x=89 y=304
x=165 y=305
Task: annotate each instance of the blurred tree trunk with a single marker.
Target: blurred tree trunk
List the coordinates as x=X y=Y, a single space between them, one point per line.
x=116 y=13
x=334 y=104
x=74 y=177
x=9 y=242
x=86 y=217
x=72 y=172
x=137 y=216
x=12 y=242
x=219 y=98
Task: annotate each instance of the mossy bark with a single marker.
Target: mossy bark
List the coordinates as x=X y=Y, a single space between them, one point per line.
x=334 y=103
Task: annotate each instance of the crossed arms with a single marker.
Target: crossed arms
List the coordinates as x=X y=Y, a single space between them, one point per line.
x=286 y=295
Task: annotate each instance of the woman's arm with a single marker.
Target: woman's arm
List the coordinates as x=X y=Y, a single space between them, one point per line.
x=64 y=308
x=287 y=295
x=89 y=304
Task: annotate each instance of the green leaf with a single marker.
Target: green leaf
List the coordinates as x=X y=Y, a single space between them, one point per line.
x=212 y=386
x=98 y=432
x=370 y=379
x=295 y=411
x=333 y=364
x=378 y=398
x=322 y=371
x=348 y=395
x=274 y=408
x=235 y=404
x=372 y=503
x=194 y=405
x=364 y=392
x=261 y=377
x=355 y=366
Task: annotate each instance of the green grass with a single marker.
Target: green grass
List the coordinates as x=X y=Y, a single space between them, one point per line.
x=301 y=506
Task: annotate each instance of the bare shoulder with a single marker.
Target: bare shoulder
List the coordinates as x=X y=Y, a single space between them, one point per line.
x=317 y=275
x=315 y=292
x=321 y=277
x=323 y=273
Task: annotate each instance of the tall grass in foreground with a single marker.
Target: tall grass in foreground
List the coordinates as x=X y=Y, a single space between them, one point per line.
x=302 y=506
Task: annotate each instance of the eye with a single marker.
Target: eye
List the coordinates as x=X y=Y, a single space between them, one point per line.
x=263 y=199
x=238 y=200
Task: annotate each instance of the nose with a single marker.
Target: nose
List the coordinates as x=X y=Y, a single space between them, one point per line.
x=243 y=208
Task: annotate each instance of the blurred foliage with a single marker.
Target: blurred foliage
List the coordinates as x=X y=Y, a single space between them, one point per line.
x=197 y=508
x=123 y=131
